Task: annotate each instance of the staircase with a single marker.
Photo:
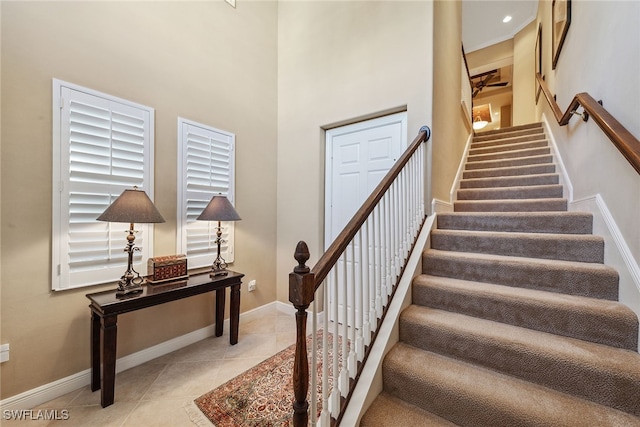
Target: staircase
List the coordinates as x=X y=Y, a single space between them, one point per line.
x=515 y=319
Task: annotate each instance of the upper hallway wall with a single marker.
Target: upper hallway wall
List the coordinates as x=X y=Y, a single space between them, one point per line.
x=450 y=123
x=339 y=62
x=601 y=56
x=204 y=61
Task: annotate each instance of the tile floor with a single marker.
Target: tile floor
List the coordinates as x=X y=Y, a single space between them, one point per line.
x=156 y=393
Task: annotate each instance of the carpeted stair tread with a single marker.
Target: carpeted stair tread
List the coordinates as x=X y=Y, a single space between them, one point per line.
x=531 y=222
x=569 y=277
x=507 y=139
x=470 y=395
x=509 y=171
x=388 y=410
x=603 y=374
x=492 y=147
x=566 y=247
x=511 y=181
x=590 y=319
x=503 y=163
x=510 y=154
x=511 y=205
x=521 y=192
x=510 y=131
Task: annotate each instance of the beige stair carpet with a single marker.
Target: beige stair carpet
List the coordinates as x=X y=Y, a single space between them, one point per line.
x=515 y=320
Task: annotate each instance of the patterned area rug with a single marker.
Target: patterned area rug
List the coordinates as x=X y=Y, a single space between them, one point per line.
x=261 y=396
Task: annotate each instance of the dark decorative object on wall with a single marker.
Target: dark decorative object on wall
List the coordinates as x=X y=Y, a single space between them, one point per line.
x=560 y=20
x=538 y=56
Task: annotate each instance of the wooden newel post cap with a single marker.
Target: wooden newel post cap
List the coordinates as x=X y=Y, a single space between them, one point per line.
x=302 y=256
x=301 y=280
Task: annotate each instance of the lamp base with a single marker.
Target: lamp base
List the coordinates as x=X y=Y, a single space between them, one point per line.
x=130 y=284
x=218 y=273
x=128 y=291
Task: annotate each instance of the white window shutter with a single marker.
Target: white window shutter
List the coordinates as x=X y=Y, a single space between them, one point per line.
x=205 y=168
x=103 y=146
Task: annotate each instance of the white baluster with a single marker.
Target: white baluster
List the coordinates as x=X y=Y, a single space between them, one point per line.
x=334 y=402
x=324 y=420
x=344 y=372
x=314 y=363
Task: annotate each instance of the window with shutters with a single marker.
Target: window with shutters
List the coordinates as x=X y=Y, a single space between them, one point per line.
x=102 y=145
x=205 y=169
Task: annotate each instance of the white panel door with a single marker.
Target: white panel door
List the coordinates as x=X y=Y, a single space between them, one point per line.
x=358 y=156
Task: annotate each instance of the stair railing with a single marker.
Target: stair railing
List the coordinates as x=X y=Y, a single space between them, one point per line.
x=355 y=279
x=626 y=143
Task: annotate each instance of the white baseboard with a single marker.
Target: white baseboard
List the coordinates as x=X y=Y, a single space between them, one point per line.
x=463 y=161
x=440 y=206
x=564 y=176
x=39 y=395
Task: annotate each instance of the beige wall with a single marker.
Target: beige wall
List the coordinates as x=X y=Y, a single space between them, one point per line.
x=449 y=131
x=203 y=61
x=523 y=106
x=340 y=61
x=601 y=56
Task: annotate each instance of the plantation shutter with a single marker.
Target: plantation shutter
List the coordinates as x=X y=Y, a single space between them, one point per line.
x=104 y=148
x=206 y=168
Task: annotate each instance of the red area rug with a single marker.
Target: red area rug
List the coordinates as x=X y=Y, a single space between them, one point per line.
x=261 y=396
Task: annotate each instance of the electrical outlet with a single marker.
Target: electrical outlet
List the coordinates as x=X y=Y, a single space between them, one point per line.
x=252 y=285
x=4 y=352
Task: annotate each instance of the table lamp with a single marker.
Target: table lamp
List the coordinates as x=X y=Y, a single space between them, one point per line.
x=131 y=206
x=219 y=209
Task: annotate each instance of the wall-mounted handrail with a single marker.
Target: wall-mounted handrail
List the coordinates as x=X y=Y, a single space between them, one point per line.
x=626 y=143
x=360 y=270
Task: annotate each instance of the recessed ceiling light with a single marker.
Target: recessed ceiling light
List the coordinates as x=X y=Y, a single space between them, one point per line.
x=506 y=19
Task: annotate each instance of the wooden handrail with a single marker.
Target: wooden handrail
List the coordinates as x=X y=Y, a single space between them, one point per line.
x=303 y=281
x=626 y=143
x=332 y=254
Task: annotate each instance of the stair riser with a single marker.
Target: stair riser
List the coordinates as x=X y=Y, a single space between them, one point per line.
x=530 y=192
x=507 y=147
x=595 y=283
x=543 y=205
x=527 y=180
x=605 y=323
x=522 y=161
x=528 y=362
x=509 y=171
x=510 y=154
x=560 y=222
x=560 y=248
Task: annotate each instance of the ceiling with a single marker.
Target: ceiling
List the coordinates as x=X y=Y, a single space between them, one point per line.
x=482 y=24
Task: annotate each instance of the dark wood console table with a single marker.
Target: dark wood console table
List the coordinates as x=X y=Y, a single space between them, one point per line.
x=106 y=306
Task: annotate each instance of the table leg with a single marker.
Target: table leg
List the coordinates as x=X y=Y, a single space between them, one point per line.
x=235 y=313
x=109 y=338
x=220 y=295
x=95 y=351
